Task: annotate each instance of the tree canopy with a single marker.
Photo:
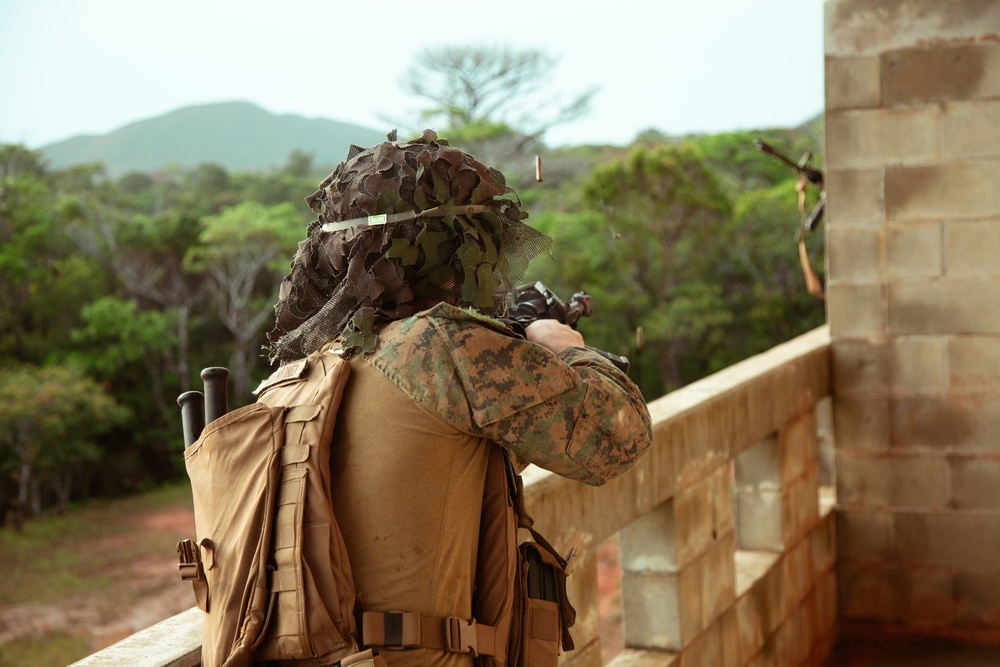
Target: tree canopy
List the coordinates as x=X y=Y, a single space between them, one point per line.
x=115 y=292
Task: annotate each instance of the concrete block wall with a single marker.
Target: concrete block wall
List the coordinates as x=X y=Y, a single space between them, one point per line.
x=913 y=247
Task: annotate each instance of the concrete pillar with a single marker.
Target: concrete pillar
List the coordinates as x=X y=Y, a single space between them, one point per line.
x=913 y=245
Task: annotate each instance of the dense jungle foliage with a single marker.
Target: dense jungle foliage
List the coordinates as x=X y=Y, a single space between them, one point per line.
x=116 y=292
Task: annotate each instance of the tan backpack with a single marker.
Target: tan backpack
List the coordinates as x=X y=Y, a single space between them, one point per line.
x=269 y=566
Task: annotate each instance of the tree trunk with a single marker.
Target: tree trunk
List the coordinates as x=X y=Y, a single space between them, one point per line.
x=23 y=491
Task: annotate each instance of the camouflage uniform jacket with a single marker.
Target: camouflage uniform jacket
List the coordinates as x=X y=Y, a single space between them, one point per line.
x=574 y=413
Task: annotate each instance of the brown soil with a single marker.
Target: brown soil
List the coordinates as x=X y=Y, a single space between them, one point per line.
x=145 y=591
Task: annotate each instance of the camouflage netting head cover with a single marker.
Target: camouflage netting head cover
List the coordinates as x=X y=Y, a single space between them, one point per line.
x=443 y=228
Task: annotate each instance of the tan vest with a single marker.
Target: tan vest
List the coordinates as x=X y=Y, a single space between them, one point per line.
x=424 y=480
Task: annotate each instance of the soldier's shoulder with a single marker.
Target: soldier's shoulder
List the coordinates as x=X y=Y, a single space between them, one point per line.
x=452 y=359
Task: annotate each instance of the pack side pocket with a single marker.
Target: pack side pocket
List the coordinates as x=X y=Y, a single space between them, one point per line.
x=537 y=638
x=542 y=633
x=233 y=469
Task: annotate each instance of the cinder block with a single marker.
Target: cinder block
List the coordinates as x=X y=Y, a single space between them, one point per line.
x=809 y=629
x=952 y=72
x=957 y=421
x=805 y=502
x=861 y=423
x=823 y=546
x=798 y=574
x=705 y=650
x=960 y=539
x=974 y=364
x=852 y=82
x=870 y=592
x=854 y=197
x=904 y=363
x=762 y=519
x=639 y=658
x=928 y=596
x=952 y=307
x=649 y=544
x=971 y=129
x=914 y=250
x=703 y=515
x=854 y=28
x=893 y=480
x=774 y=586
x=750 y=625
x=854 y=253
x=975 y=482
x=971 y=248
x=589 y=655
x=875 y=137
x=690 y=581
x=855 y=311
x=828 y=601
x=657 y=613
x=783 y=648
x=718 y=579
x=865 y=534
x=797 y=443
x=977 y=598
x=582 y=589
x=729 y=639
x=758 y=467
x=966 y=189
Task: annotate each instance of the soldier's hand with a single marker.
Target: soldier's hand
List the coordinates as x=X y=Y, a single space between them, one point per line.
x=553 y=335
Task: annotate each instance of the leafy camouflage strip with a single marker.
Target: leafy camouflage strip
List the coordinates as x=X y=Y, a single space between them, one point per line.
x=346 y=282
x=585 y=420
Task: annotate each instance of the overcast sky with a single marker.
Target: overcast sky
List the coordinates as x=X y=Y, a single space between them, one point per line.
x=90 y=66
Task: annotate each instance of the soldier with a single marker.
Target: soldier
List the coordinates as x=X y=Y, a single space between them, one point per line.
x=405 y=272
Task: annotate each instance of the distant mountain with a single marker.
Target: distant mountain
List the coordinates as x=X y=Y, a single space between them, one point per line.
x=238 y=135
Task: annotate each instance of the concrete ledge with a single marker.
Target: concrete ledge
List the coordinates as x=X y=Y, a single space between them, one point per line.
x=175 y=642
x=697 y=430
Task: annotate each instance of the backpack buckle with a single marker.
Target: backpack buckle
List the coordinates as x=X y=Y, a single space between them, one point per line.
x=460 y=636
x=189 y=557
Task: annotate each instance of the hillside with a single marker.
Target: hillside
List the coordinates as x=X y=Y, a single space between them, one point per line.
x=237 y=135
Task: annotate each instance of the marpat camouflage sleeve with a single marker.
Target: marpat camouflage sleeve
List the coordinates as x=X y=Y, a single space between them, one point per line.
x=574 y=413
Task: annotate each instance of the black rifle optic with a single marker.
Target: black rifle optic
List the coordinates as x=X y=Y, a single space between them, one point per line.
x=537 y=302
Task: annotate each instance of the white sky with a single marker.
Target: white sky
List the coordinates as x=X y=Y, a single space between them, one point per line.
x=90 y=66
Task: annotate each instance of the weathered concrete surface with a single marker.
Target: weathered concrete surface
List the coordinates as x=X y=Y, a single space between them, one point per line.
x=175 y=642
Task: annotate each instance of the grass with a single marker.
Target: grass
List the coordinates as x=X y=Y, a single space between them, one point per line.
x=79 y=552
x=53 y=649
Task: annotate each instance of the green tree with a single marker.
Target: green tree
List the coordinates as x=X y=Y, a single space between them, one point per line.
x=41 y=277
x=116 y=340
x=664 y=214
x=245 y=251
x=49 y=418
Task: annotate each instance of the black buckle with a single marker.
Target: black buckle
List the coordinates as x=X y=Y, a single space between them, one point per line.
x=393 y=624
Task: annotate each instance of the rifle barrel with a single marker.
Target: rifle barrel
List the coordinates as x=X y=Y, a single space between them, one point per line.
x=815 y=176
